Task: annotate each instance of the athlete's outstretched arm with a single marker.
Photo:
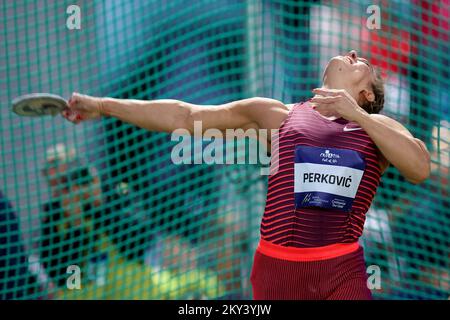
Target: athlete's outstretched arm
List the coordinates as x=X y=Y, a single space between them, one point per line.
x=407 y=153
x=166 y=115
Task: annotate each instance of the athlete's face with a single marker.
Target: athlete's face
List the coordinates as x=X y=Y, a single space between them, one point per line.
x=349 y=72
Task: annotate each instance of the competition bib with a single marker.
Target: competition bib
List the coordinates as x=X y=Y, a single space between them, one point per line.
x=327 y=177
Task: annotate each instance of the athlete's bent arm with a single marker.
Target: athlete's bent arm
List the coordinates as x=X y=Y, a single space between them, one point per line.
x=167 y=115
x=408 y=154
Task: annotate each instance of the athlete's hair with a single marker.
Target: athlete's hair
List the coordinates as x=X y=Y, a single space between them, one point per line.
x=378 y=90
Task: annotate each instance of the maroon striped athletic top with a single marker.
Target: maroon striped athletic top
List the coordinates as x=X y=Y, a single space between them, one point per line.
x=286 y=225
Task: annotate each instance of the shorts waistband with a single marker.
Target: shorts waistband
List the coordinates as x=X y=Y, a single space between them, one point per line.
x=306 y=254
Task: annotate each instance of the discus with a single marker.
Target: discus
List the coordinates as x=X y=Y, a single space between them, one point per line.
x=39 y=105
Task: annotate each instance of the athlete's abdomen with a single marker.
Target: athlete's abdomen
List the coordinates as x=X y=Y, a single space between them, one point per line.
x=288 y=224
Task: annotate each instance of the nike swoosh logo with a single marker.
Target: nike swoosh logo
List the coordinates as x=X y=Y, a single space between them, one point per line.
x=351 y=129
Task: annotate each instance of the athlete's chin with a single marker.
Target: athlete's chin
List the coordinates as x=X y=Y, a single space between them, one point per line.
x=338 y=63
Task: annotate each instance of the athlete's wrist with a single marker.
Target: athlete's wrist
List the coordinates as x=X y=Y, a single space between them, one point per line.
x=102 y=106
x=361 y=117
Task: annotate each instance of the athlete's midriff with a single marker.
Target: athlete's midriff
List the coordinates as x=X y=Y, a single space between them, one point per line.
x=334 y=168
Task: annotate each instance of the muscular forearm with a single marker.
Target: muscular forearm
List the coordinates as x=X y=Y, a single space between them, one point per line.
x=405 y=152
x=157 y=115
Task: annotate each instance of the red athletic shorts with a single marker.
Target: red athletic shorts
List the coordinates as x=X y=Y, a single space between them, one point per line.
x=335 y=272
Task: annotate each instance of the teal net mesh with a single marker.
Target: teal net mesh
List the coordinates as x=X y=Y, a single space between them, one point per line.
x=104 y=200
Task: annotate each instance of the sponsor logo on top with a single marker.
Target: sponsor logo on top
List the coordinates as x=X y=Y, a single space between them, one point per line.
x=329 y=157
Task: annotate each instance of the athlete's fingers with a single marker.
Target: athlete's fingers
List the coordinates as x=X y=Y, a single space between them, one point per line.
x=73 y=100
x=71 y=117
x=323 y=99
x=324 y=109
x=327 y=100
x=76 y=102
x=66 y=113
x=78 y=118
x=327 y=92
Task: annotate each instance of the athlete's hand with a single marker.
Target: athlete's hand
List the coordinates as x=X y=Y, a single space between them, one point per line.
x=82 y=107
x=337 y=101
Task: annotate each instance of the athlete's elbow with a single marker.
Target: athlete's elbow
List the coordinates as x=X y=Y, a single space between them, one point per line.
x=421 y=173
x=421 y=169
x=183 y=119
x=425 y=163
x=417 y=179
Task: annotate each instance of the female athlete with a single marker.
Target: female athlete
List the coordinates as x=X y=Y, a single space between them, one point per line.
x=332 y=151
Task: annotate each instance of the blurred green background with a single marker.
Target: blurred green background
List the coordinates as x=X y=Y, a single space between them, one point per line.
x=106 y=197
